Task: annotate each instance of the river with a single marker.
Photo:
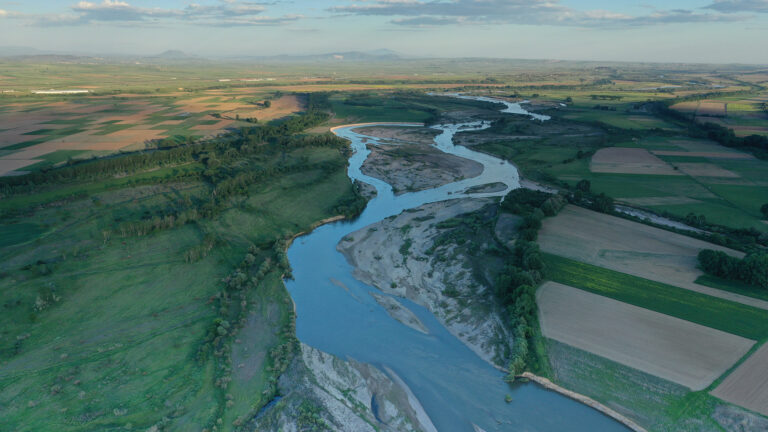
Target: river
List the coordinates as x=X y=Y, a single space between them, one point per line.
x=456 y=387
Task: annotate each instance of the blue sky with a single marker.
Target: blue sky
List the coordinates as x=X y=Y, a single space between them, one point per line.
x=646 y=30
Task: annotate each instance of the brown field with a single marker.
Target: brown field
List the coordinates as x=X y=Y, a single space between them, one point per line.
x=686 y=107
x=705 y=170
x=621 y=160
x=98 y=113
x=282 y=107
x=713 y=155
x=712 y=109
x=633 y=248
x=703 y=146
x=213 y=127
x=747 y=386
x=9 y=166
x=754 y=78
x=657 y=201
x=749 y=130
x=670 y=348
x=236 y=106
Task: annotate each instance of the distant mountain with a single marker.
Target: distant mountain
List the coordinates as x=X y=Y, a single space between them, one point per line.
x=52 y=58
x=19 y=51
x=170 y=56
x=176 y=55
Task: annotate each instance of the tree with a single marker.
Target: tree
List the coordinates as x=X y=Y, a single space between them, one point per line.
x=584 y=185
x=602 y=203
x=764 y=210
x=267 y=104
x=753 y=269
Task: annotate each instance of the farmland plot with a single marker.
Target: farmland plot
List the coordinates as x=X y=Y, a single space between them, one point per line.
x=748 y=384
x=629 y=161
x=633 y=248
x=670 y=348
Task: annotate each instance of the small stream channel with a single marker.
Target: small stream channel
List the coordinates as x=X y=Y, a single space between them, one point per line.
x=456 y=387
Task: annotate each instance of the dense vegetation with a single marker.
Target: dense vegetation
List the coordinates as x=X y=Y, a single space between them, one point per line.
x=756 y=144
x=145 y=289
x=515 y=287
x=752 y=269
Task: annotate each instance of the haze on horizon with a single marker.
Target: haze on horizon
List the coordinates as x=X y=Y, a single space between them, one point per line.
x=701 y=31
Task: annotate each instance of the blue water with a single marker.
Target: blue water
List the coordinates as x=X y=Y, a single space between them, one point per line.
x=455 y=386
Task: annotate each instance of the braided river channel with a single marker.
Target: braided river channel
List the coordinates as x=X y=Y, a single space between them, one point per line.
x=458 y=390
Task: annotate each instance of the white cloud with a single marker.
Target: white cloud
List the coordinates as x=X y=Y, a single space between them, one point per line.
x=733 y=6
x=226 y=12
x=542 y=12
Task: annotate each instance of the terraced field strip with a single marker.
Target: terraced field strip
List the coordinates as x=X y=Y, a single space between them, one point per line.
x=670 y=348
x=747 y=386
x=633 y=248
x=720 y=314
x=623 y=160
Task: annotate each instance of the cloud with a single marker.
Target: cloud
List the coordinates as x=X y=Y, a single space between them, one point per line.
x=734 y=6
x=424 y=13
x=225 y=13
x=115 y=10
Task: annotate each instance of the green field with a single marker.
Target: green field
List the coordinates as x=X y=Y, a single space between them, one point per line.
x=730 y=317
x=737 y=204
x=656 y=404
x=732 y=286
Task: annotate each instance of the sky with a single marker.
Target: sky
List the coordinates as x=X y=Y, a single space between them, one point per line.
x=708 y=31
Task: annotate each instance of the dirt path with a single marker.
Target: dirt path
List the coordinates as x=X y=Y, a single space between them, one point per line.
x=549 y=385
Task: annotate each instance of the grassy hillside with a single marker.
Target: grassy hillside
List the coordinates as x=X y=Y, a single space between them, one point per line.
x=149 y=293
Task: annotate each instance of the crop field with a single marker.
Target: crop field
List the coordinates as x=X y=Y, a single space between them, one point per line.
x=620 y=120
x=736 y=318
x=681 y=175
x=34 y=135
x=747 y=386
x=703 y=167
x=630 y=247
x=629 y=161
x=673 y=349
x=745 y=115
x=657 y=404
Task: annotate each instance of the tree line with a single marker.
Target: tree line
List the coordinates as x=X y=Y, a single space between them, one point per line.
x=172 y=151
x=755 y=144
x=515 y=286
x=752 y=269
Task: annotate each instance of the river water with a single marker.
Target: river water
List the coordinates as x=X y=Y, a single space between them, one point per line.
x=336 y=314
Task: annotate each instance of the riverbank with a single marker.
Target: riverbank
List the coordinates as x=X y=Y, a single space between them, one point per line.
x=320 y=391
x=549 y=385
x=399 y=257
x=337 y=314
